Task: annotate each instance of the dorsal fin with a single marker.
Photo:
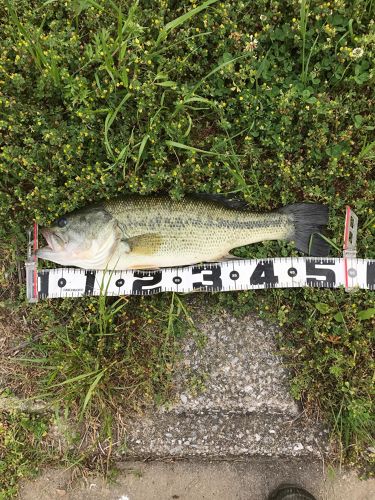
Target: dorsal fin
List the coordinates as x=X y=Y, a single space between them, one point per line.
x=235 y=203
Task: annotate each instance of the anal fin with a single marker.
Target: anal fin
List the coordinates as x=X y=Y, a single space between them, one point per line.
x=229 y=256
x=225 y=258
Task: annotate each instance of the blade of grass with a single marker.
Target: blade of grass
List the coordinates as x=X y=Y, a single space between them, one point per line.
x=182 y=19
x=303 y=25
x=309 y=57
x=330 y=242
x=91 y=391
x=75 y=379
x=215 y=70
x=236 y=170
x=370 y=221
x=141 y=149
x=110 y=118
x=191 y=148
x=366 y=152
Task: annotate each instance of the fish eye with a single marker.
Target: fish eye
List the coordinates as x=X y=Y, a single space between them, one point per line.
x=62 y=222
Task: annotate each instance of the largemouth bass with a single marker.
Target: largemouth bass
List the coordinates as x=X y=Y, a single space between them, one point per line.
x=149 y=232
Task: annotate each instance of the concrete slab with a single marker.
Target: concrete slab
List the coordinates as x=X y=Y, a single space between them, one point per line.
x=245 y=408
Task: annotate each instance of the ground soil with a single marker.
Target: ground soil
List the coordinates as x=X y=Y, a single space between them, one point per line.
x=186 y=480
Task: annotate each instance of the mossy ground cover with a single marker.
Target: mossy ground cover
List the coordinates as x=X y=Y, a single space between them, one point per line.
x=266 y=100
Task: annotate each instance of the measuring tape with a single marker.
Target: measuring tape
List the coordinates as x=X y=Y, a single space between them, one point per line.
x=253 y=274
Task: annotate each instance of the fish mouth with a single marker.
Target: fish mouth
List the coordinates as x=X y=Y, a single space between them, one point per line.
x=54 y=241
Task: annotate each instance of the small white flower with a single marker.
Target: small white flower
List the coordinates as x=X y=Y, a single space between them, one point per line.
x=252 y=44
x=357 y=53
x=262 y=17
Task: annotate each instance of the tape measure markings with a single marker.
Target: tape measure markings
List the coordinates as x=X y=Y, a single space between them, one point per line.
x=256 y=274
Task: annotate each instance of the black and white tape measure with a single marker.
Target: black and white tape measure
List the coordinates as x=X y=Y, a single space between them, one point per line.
x=281 y=272
x=223 y=276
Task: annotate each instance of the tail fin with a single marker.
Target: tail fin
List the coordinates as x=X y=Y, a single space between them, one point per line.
x=308 y=219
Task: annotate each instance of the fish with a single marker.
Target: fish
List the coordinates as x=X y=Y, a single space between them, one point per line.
x=152 y=232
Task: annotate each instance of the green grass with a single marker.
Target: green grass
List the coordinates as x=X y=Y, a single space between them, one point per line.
x=21 y=449
x=268 y=100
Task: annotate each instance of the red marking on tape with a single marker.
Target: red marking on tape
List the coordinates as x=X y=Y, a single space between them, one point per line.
x=35 y=260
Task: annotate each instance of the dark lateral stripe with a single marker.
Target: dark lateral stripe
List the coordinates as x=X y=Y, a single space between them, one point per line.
x=257 y=223
x=90 y=282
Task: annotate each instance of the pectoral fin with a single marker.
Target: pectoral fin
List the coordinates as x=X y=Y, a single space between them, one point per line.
x=145 y=244
x=141 y=251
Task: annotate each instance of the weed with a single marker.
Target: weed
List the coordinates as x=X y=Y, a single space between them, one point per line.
x=21 y=449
